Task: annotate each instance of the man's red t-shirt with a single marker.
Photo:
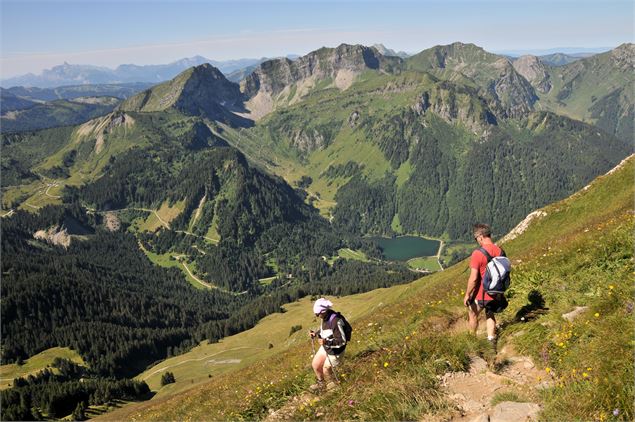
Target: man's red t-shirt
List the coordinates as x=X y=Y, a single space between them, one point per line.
x=479 y=261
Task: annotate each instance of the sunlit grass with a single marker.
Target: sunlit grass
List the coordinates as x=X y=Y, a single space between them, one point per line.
x=348 y=253
x=429 y=263
x=35 y=364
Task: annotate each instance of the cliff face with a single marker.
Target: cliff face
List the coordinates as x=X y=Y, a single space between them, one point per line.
x=285 y=81
x=535 y=71
x=274 y=75
x=457 y=104
x=514 y=96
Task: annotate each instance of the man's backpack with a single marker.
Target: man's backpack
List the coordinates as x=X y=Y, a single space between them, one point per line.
x=497 y=273
x=348 y=329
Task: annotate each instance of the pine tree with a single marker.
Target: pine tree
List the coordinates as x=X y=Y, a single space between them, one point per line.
x=167 y=378
x=79 y=414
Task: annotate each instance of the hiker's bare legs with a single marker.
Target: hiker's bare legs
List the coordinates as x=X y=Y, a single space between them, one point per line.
x=491 y=325
x=318 y=363
x=472 y=317
x=473 y=312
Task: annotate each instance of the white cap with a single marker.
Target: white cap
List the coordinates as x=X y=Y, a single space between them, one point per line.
x=321 y=305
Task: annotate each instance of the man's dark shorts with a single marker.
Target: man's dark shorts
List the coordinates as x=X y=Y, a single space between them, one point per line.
x=493 y=306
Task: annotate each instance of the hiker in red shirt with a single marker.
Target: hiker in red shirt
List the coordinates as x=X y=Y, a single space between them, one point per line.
x=476 y=299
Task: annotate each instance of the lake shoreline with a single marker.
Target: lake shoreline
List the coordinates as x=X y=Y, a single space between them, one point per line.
x=405 y=247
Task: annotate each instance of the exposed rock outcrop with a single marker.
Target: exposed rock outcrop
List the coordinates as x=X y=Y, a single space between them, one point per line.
x=535 y=71
x=457 y=104
x=293 y=79
x=624 y=57
x=571 y=316
x=112 y=222
x=508 y=411
x=308 y=140
x=514 y=95
x=508 y=93
x=55 y=235
x=523 y=225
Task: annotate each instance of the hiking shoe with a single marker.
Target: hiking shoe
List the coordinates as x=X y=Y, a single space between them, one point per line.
x=331 y=386
x=317 y=387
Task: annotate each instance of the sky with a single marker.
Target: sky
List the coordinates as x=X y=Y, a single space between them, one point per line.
x=35 y=35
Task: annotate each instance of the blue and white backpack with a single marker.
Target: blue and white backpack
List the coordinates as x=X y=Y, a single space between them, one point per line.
x=497 y=274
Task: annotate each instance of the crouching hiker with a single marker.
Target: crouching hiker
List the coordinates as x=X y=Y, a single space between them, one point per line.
x=333 y=335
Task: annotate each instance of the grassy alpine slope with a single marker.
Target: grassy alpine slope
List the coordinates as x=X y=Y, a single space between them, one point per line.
x=579 y=253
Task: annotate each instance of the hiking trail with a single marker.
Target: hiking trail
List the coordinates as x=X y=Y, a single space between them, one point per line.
x=514 y=378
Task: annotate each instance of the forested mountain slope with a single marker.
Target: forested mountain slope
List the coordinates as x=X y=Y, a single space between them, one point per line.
x=415 y=154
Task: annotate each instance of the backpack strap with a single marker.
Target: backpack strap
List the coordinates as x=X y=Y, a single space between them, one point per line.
x=488 y=256
x=484 y=252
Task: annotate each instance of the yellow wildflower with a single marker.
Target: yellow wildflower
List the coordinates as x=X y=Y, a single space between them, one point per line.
x=385 y=364
x=597 y=314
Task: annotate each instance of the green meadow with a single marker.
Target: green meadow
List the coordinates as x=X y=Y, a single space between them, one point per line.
x=35 y=364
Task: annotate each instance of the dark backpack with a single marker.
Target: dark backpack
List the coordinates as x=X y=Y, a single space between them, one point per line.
x=348 y=329
x=497 y=274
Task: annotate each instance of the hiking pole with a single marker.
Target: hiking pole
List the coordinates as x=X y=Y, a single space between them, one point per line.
x=313 y=345
x=337 y=380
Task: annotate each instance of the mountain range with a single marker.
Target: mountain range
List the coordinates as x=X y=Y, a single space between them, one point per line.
x=74 y=74
x=235 y=70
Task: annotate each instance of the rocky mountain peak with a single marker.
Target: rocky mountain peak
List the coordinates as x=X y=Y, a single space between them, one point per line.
x=507 y=92
x=624 y=56
x=341 y=65
x=201 y=91
x=274 y=75
x=535 y=71
x=207 y=71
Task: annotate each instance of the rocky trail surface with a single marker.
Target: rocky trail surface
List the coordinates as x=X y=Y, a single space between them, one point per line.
x=512 y=379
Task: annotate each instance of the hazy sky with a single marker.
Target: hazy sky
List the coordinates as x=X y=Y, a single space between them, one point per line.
x=40 y=34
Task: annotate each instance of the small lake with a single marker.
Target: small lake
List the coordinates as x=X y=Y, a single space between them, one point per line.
x=403 y=248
